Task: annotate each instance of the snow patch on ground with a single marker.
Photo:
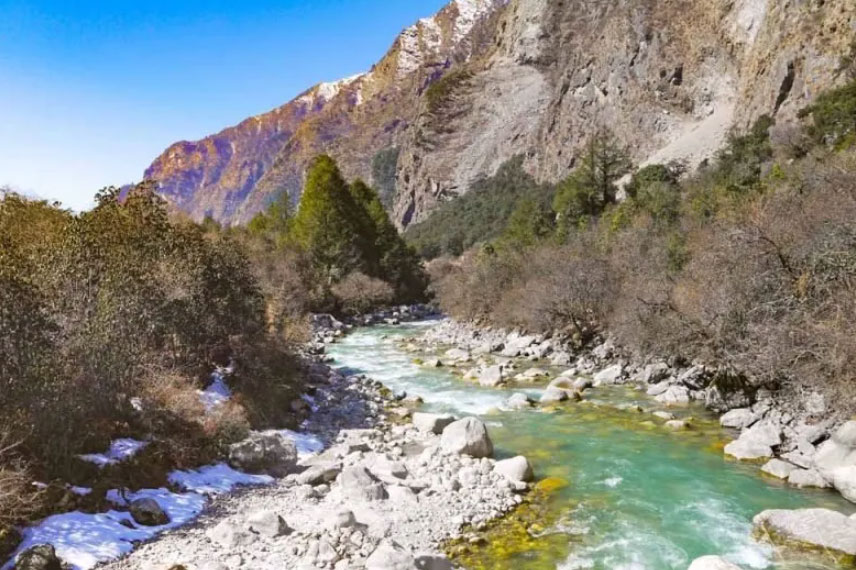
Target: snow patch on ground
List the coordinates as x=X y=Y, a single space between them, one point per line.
x=306 y=443
x=216 y=394
x=120 y=450
x=84 y=540
x=215 y=479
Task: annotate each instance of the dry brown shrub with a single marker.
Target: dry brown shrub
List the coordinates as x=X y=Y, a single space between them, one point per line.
x=358 y=293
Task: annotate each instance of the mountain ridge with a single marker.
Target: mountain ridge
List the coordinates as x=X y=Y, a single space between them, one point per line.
x=523 y=78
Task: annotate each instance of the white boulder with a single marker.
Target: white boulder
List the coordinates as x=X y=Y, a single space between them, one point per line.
x=431 y=423
x=515 y=469
x=467 y=436
x=822 y=529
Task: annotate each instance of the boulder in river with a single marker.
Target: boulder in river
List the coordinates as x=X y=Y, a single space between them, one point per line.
x=264 y=452
x=839 y=451
x=515 y=469
x=756 y=442
x=778 y=468
x=674 y=395
x=821 y=530
x=518 y=401
x=491 y=377
x=467 y=437
x=554 y=395
x=712 y=563
x=432 y=423
x=844 y=481
x=807 y=478
x=148 y=512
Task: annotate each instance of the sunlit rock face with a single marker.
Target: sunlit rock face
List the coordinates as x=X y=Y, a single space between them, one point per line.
x=529 y=78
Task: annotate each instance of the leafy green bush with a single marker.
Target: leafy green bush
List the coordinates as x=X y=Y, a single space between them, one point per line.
x=833 y=117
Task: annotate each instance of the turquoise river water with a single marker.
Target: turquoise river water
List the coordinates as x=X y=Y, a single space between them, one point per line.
x=637 y=496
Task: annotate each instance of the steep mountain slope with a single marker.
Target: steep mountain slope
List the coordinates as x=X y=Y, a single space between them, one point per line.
x=235 y=173
x=483 y=81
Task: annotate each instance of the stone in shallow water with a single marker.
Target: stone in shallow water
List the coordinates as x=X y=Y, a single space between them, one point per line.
x=515 y=469
x=844 y=481
x=821 y=529
x=807 y=478
x=838 y=452
x=778 y=468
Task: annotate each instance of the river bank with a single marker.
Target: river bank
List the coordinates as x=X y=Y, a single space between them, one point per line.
x=359 y=486
x=528 y=369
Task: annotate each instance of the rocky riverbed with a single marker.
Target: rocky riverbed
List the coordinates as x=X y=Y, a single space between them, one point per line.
x=797 y=442
x=385 y=494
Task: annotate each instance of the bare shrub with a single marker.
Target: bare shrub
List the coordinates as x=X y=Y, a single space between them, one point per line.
x=358 y=293
x=19 y=499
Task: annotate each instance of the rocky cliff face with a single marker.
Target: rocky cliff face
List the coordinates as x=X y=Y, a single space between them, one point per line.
x=530 y=78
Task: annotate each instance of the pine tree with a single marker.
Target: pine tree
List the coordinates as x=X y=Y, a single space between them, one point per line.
x=397 y=263
x=327 y=225
x=275 y=222
x=527 y=225
x=591 y=187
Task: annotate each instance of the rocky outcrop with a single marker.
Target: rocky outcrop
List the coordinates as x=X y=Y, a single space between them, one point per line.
x=526 y=78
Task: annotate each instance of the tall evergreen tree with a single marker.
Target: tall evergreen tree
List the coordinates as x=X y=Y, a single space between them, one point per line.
x=328 y=222
x=397 y=263
x=591 y=187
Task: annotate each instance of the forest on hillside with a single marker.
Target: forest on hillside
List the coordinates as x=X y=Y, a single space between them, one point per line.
x=750 y=262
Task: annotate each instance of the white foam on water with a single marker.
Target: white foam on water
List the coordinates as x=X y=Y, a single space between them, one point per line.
x=613 y=482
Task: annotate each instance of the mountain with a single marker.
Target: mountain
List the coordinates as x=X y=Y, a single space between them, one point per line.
x=482 y=81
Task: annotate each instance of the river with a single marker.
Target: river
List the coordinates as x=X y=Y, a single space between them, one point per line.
x=637 y=495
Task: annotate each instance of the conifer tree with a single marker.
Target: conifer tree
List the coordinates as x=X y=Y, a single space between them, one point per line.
x=327 y=225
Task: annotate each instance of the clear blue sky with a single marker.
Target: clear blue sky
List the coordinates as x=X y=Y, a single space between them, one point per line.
x=91 y=92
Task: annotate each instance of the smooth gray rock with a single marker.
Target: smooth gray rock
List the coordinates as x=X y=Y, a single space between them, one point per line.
x=819 y=528
x=267 y=523
x=212 y=565
x=264 y=452
x=609 y=375
x=319 y=474
x=803 y=478
x=712 y=563
x=837 y=452
x=756 y=442
x=554 y=395
x=433 y=562
x=674 y=395
x=515 y=469
x=677 y=425
x=518 y=401
x=39 y=557
x=229 y=536
x=844 y=481
x=491 y=377
x=694 y=378
x=654 y=373
x=467 y=436
x=358 y=484
x=431 y=423
x=778 y=468
x=668 y=416
x=738 y=418
x=148 y=512
x=390 y=556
